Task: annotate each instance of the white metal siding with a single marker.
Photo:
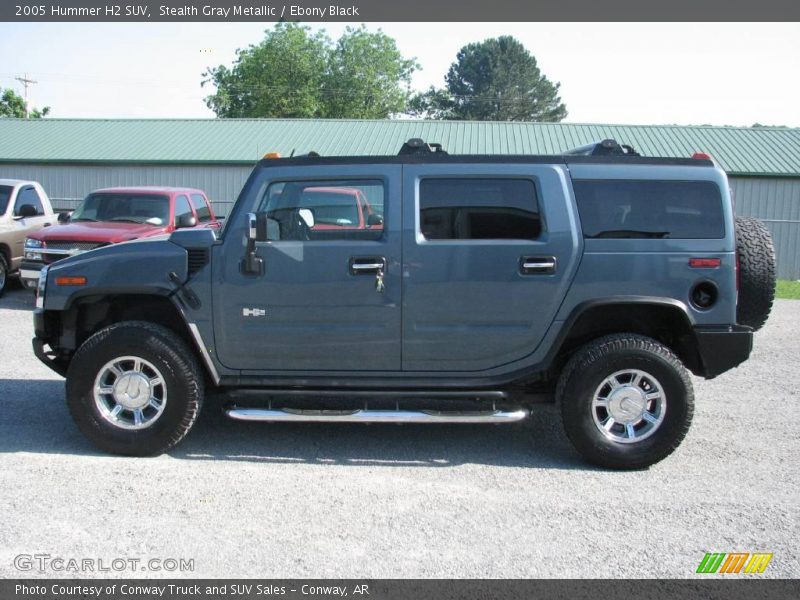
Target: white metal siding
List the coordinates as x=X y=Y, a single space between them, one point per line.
x=69 y=184
x=776 y=201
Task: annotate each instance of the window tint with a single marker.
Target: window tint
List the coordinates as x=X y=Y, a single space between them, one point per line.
x=325 y=210
x=650 y=209
x=5 y=194
x=28 y=195
x=182 y=207
x=475 y=209
x=201 y=208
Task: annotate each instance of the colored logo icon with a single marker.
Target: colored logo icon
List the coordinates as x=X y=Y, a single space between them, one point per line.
x=734 y=562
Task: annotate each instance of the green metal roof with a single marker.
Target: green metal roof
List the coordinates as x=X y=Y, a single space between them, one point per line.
x=739 y=150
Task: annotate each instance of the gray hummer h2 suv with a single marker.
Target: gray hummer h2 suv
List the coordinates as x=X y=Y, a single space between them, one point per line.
x=472 y=288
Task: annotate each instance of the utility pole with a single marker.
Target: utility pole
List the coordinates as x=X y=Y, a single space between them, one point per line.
x=26 y=82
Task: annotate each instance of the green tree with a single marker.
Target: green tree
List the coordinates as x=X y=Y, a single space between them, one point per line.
x=279 y=77
x=367 y=76
x=13 y=105
x=497 y=79
x=294 y=73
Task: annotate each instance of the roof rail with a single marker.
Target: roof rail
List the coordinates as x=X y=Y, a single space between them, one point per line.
x=604 y=148
x=417 y=146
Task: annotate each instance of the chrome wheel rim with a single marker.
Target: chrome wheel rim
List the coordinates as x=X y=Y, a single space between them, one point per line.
x=629 y=406
x=130 y=393
x=2 y=275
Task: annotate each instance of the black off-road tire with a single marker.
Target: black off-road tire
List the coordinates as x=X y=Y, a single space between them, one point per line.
x=756 y=255
x=3 y=273
x=178 y=367
x=596 y=361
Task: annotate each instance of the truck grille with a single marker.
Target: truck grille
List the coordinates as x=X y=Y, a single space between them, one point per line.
x=66 y=249
x=81 y=246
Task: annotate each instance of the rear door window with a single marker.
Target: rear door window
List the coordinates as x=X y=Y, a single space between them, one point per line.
x=650 y=209
x=479 y=209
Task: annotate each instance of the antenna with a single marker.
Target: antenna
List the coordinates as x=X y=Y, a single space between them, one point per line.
x=26 y=82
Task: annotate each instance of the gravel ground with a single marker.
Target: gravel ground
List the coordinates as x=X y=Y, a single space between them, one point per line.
x=247 y=500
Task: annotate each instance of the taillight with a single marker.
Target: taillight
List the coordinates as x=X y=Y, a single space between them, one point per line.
x=705 y=263
x=701 y=156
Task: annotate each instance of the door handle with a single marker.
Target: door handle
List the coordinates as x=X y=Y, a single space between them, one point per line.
x=537 y=265
x=367 y=265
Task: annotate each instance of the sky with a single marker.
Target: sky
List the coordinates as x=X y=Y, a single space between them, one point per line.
x=628 y=73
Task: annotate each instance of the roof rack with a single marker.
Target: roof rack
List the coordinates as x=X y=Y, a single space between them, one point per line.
x=417 y=146
x=604 y=148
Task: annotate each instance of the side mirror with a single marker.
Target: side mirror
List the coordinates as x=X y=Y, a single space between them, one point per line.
x=374 y=219
x=185 y=220
x=63 y=218
x=257 y=227
x=27 y=210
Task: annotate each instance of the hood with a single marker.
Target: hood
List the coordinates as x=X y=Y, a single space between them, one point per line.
x=88 y=231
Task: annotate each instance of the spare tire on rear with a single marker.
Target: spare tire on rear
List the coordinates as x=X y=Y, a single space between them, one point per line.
x=756 y=255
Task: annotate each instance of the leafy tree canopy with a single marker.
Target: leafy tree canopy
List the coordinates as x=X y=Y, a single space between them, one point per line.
x=498 y=80
x=13 y=105
x=293 y=72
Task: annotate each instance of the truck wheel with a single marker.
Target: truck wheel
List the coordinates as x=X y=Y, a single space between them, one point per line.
x=626 y=401
x=3 y=273
x=134 y=388
x=756 y=255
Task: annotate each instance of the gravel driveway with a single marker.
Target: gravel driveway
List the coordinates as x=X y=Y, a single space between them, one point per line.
x=247 y=500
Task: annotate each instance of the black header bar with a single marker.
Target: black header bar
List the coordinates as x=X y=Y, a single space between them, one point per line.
x=397 y=11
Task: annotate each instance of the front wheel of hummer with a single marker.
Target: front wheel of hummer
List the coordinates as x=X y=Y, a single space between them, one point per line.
x=626 y=401
x=134 y=388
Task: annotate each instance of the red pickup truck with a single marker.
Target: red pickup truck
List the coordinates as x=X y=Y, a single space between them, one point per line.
x=113 y=215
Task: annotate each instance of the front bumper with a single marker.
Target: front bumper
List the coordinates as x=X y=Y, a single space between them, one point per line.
x=43 y=333
x=29 y=273
x=722 y=349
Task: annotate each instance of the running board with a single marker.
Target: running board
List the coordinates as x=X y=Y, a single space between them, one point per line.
x=375 y=416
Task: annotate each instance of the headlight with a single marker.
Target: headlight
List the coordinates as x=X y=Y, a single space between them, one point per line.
x=31 y=243
x=42 y=287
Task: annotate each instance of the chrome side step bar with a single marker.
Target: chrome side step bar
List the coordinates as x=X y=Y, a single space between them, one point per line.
x=375 y=416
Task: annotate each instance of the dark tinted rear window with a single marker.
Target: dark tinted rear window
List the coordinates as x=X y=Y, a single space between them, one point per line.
x=479 y=209
x=650 y=209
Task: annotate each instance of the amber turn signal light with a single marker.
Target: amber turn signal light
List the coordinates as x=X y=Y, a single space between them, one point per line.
x=70 y=280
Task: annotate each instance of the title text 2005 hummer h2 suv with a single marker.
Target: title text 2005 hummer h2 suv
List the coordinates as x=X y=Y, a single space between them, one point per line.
x=598 y=276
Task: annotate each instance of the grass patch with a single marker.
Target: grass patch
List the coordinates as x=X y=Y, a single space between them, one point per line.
x=787 y=290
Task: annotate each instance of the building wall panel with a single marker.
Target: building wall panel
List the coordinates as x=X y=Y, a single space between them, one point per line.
x=776 y=201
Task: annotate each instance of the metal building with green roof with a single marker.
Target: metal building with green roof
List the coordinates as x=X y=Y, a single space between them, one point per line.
x=70 y=157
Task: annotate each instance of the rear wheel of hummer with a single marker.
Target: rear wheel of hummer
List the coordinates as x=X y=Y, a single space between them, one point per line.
x=626 y=401
x=134 y=388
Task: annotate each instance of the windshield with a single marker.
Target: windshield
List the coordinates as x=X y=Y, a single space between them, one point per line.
x=5 y=194
x=131 y=208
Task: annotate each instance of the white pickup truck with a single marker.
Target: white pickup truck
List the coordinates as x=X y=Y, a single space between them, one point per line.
x=24 y=208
